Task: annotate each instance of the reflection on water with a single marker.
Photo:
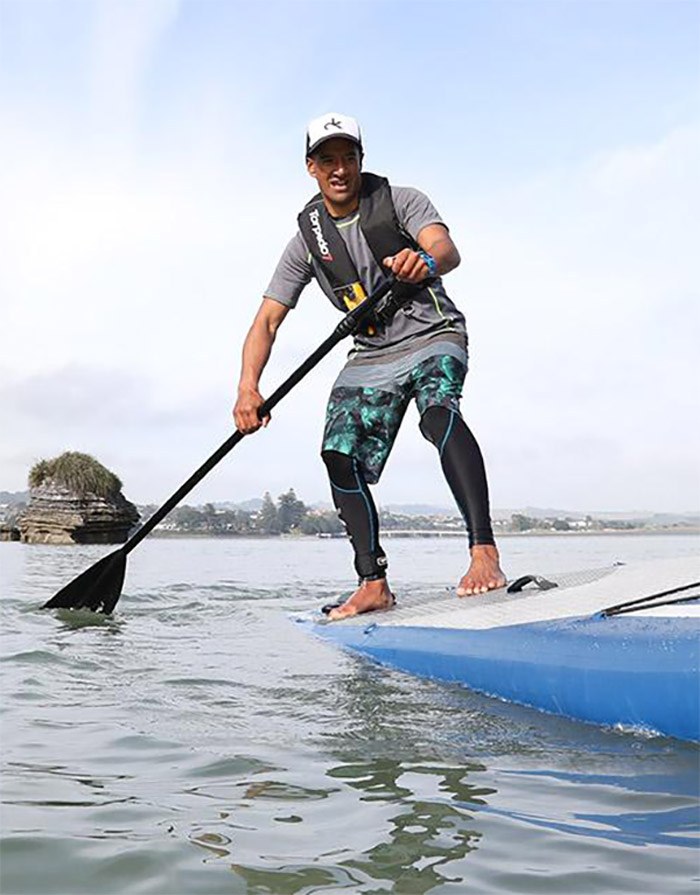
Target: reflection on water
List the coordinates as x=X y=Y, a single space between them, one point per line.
x=426 y=834
x=428 y=823
x=200 y=743
x=671 y=803
x=421 y=833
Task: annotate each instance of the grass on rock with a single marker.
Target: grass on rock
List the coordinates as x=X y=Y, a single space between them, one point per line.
x=77 y=472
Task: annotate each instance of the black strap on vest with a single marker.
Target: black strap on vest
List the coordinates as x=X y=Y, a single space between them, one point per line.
x=380 y=227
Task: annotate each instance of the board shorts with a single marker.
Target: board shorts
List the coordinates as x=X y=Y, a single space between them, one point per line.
x=370 y=396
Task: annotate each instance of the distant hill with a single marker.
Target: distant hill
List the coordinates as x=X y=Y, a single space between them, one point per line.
x=250 y=506
x=12 y=498
x=691 y=517
x=420 y=509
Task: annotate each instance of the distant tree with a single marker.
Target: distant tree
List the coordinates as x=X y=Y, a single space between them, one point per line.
x=188 y=518
x=267 y=517
x=290 y=511
x=622 y=525
x=228 y=522
x=243 y=522
x=209 y=514
x=521 y=523
x=321 y=523
x=561 y=525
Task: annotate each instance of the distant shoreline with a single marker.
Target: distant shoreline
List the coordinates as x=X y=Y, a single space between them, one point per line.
x=393 y=533
x=389 y=533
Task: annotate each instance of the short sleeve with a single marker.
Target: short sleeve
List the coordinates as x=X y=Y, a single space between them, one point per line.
x=414 y=210
x=292 y=274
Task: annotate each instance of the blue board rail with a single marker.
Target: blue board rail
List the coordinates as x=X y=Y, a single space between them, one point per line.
x=632 y=671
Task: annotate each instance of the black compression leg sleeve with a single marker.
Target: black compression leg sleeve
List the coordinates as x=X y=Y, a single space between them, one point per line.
x=356 y=508
x=464 y=470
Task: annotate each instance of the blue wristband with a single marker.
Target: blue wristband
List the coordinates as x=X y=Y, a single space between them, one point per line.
x=430 y=262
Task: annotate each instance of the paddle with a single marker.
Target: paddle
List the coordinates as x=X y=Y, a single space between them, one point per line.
x=99 y=587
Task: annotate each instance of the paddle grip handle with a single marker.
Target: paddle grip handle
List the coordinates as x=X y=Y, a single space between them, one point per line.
x=347 y=326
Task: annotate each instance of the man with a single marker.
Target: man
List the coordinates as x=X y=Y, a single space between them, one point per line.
x=352 y=235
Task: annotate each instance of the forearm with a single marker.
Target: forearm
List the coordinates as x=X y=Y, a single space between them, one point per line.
x=256 y=353
x=258 y=343
x=444 y=252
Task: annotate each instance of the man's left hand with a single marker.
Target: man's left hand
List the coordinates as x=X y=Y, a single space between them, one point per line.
x=408 y=266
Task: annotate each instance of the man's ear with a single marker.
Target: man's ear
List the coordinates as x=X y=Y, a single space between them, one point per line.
x=311 y=167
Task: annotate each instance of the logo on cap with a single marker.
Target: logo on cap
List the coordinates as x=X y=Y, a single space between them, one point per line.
x=332 y=123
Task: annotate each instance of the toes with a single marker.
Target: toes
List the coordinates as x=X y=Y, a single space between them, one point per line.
x=472 y=587
x=342 y=612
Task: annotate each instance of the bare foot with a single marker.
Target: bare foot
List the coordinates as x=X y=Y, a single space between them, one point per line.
x=484 y=573
x=369 y=596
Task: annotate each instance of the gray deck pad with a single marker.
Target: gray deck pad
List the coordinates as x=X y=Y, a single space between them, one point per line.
x=577 y=593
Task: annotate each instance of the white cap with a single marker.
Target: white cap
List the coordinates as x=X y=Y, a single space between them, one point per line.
x=330 y=125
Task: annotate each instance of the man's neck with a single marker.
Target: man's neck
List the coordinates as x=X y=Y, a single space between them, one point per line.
x=341 y=211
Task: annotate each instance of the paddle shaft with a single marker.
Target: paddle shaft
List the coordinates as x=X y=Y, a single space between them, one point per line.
x=346 y=327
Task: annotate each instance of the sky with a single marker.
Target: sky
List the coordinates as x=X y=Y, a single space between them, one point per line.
x=151 y=171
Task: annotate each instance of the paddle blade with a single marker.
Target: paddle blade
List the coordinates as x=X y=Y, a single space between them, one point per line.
x=97 y=588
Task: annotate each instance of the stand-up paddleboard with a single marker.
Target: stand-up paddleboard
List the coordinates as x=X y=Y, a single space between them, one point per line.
x=615 y=646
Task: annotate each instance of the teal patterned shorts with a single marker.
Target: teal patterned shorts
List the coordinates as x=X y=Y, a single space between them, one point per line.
x=370 y=397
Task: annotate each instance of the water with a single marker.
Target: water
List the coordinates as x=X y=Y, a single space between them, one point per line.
x=200 y=743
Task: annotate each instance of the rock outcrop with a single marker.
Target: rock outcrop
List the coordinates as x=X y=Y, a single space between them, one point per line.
x=75 y=500
x=8 y=532
x=56 y=515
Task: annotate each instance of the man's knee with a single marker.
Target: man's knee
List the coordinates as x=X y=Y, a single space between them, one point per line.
x=341 y=469
x=434 y=424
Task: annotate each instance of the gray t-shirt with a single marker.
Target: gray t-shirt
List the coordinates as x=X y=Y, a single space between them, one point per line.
x=431 y=311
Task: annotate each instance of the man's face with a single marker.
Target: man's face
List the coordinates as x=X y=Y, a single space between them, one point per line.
x=336 y=167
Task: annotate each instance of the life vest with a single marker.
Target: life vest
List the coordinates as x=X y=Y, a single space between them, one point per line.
x=381 y=229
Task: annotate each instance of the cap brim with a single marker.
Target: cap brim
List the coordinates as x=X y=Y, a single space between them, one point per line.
x=312 y=149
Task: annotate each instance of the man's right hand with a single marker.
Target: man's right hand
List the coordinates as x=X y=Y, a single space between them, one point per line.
x=245 y=413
